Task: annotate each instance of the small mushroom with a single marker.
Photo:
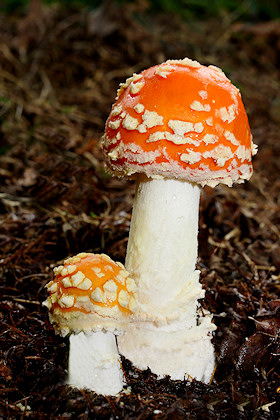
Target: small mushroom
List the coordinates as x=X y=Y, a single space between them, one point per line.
x=91 y=298
x=178 y=126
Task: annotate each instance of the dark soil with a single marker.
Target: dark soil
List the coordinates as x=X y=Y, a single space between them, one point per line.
x=59 y=71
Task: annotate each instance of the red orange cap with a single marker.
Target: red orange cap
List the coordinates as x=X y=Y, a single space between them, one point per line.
x=179 y=120
x=90 y=292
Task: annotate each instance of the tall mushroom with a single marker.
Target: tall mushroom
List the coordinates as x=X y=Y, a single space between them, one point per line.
x=91 y=298
x=179 y=126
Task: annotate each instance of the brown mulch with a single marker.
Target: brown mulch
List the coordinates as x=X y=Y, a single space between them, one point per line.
x=59 y=71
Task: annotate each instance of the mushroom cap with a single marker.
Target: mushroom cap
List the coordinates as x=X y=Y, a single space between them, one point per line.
x=182 y=120
x=90 y=292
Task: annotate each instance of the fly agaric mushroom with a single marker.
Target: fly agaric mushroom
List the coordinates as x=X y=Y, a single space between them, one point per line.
x=179 y=125
x=92 y=297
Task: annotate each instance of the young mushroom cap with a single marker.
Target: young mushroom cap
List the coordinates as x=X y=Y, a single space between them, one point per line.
x=92 y=297
x=90 y=292
x=182 y=120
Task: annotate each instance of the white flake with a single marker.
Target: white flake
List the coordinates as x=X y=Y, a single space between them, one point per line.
x=157 y=136
x=203 y=94
x=190 y=157
x=130 y=123
x=190 y=63
x=198 y=106
x=97 y=271
x=122 y=276
x=98 y=296
x=57 y=270
x=243 y=153
x=64 y=271
x=180 y=128
x=132 y=304
x=139 y=108
x=114 y=125
x=131 y=285
x=82 y=255
x=164 y=70
x=227 y=114
x=76 y=259
x=230 y=137
x=71 y=268
x=110 y=286
x=66 y=282
x=77 y=278
x=52 y=288
x=113 y=155
x=209 y=121
x=66 y=301
x=220 y=154
x=210 y=139
x=152 y=119
x=123 y=298
x=136 y=87
x=142 y=128
x=85 y=285
x=198 y=127
x=134 y=78
x=218 y=70
x=254 y=148
x=82 y=299
x=117 y=109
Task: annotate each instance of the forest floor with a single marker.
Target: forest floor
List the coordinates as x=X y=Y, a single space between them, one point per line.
x=59 y=72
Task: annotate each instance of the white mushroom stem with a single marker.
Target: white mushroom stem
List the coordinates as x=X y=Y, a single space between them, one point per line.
x=162 y=246
x=161 y=257
x=94 y=363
